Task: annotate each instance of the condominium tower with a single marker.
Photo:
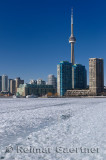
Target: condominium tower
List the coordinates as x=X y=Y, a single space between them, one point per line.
x=79 y=77
x=12 y=86
x=96 y=75
x=4 y=83
x=18 y=82
x=52 y=80
x=64 y=77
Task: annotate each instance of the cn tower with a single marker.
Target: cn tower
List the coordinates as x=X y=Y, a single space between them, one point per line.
x=72 y=40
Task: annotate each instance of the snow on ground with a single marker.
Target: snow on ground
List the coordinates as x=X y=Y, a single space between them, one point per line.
x=53 y=129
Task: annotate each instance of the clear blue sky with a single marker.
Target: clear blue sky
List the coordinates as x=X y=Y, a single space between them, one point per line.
x=34 y=35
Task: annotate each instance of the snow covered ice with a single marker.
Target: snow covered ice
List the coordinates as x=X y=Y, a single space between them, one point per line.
x=69 y=123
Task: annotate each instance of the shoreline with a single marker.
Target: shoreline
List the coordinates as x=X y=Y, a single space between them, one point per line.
x=62 y=97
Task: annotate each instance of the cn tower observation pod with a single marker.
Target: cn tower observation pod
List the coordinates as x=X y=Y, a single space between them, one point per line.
x=72 y=39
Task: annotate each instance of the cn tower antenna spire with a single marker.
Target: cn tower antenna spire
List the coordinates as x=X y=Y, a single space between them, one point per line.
x=72 y=16
x=72 y=39
x=72 y=21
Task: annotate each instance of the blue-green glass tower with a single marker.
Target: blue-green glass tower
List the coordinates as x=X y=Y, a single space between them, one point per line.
x=79 y=76
x=64 y=77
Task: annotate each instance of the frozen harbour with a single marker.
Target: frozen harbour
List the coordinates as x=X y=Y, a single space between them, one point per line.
x=59 y=128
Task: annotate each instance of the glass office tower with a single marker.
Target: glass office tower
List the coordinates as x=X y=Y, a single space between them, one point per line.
x=79 y=77
x=64 y=77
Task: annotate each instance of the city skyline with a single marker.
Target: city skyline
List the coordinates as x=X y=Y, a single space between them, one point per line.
x=35 y=35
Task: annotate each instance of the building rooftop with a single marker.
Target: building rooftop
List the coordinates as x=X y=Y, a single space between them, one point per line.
x=64 y=62
x=95 y=58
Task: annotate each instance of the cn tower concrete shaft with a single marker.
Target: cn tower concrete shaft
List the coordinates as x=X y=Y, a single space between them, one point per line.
x=72 y=40
x=72 y=54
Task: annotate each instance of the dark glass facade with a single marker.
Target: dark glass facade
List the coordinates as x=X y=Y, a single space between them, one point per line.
x=79 y=77
x=64 y=77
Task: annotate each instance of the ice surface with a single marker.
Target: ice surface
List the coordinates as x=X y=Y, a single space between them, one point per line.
x=53 y=123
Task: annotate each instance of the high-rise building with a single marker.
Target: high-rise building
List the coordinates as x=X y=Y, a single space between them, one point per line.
x=18 y=82
x=52 y=80
x=79 y=76
x=0 y=83
x=32 y=81
x=4 y=83
x=72 y=40
x=9 y=84
x=96 y=75
x=64 y=77
x=40 y=82
x=12 y=86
